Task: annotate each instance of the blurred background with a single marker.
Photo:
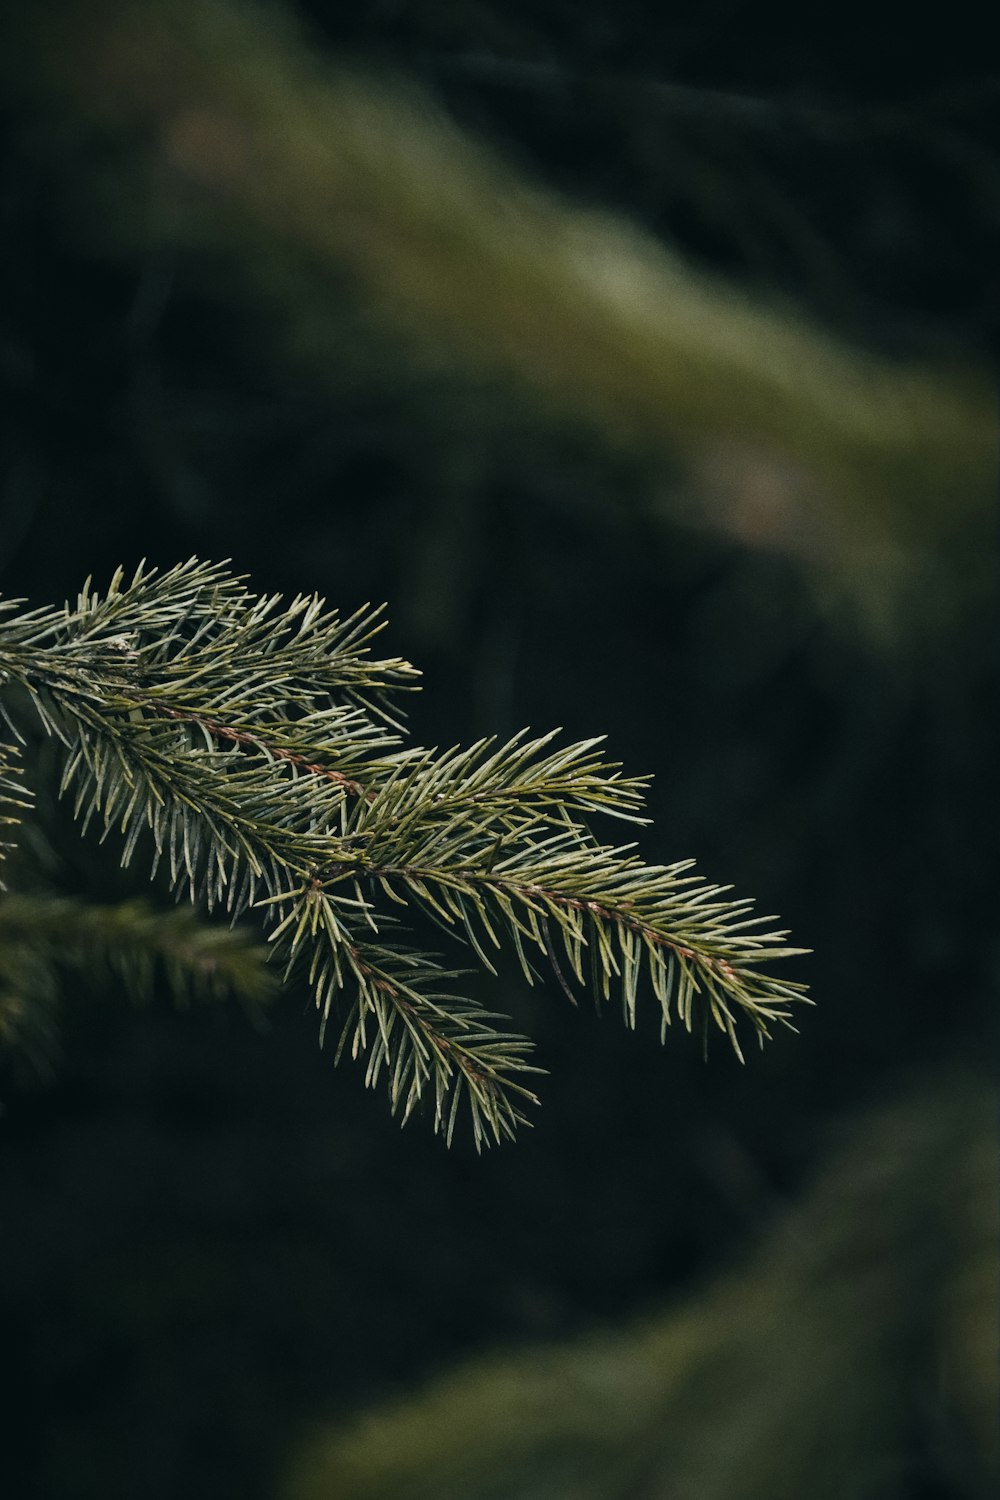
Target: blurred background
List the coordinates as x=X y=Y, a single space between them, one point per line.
x=640 y=358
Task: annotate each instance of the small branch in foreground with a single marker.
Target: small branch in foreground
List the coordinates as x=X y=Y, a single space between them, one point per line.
x=491 y=841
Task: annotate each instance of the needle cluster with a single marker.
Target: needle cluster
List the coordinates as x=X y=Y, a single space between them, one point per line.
x=253 y=747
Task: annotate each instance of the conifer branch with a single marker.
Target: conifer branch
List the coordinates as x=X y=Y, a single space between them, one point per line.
x=136 y=942
x=426 y=1038
x=821 y=1342
x=29 y=1001
x=14 y=799
x=45 y=939
x=790 y=439
x=249 y=748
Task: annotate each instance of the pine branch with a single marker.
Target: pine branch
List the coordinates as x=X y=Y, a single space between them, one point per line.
x=14 y=799
x=425 y=1038
x=44 y=939
x=29 y=1003
x=135 y=941
x=245 y=746
x=624 y=917
x=817 y=1355
x=582 y=314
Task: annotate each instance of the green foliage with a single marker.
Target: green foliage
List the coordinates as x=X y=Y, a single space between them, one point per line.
x=45 y=938
x=866 y=1315
x=14 y=801
x=253 y=750
x=300 y=176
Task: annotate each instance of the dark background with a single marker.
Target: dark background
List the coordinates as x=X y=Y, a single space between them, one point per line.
x=209 y=1235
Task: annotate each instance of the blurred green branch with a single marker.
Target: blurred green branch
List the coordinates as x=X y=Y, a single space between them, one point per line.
x=863 y=1327
x=46 y=938
x=871 y=472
